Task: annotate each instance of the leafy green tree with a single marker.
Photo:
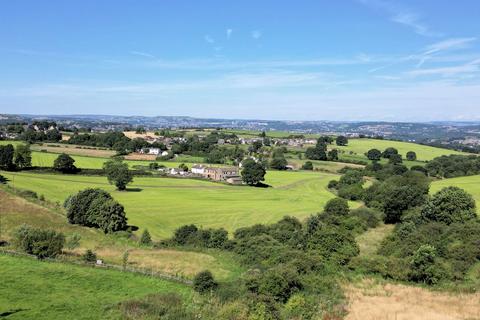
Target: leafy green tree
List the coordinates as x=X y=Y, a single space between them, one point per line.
x=389 y=152
x=253 y=172
x=204 y=282
x=146 y=239
x=319 y=152
x=332 y=155
x=341 y=141
x=6 y=157
x=23 y=156
x=79 y=206
x=450 y=205
x=337 y=207
x=395 y=159
x=308 y=165
x=108 y=215
x=279 y=163
x=374 y=154
x=118 y=174
x=411 y=156
x=65 y=164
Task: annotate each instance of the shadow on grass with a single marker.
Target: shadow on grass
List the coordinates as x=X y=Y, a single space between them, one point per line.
x=133 y=189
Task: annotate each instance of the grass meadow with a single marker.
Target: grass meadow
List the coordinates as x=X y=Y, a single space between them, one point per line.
x=471 y=184
x=164 y=204
x=424 y=153
x=32 y=289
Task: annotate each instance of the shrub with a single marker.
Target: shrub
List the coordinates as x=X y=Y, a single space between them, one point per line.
x=279 y=283
x=332 y=184
x=337 y=207
x=146 y=239
x=183 y=234
x=89 y=256
x=423 y=266
x=41 y=243
x=308 y=165
x=204 y=282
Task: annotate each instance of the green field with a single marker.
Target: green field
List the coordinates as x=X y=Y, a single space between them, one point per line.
x=164 y=204
x=32 y=289
x=471 y=184
x=424 y=153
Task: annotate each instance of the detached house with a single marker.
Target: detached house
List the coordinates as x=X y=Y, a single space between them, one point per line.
x=221 y=173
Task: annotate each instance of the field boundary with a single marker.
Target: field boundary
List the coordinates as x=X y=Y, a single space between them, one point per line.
x=140 y=271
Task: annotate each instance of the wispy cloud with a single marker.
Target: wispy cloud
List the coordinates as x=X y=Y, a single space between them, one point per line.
x=208 y=39
x=256 y=34
x=142 y=54
x=471 y=67
x=402 y=15
x=229 y=33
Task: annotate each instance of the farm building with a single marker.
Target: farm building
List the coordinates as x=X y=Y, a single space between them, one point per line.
x=198 y=169
x=221 y=173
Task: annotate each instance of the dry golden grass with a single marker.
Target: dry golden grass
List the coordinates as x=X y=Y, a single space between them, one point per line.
x=370 y=241
x=179 y=263
x=140 y=156
x=369 y=300
x=133 y=134
x=73 y=150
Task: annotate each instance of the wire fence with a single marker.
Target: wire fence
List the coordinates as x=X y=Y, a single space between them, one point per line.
x=141 y=271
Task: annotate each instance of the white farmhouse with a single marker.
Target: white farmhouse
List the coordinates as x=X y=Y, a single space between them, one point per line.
x=198 y=169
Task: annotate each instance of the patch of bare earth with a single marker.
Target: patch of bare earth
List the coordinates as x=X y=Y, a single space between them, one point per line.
x=382 y=301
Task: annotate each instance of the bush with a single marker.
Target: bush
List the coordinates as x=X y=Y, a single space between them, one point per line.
x=146 y=239
x=184 y=234
x=41 y=243
x=337 y=207
x=332 y=184
x=424 y=267
x=308 y=165
x=89 y=256
x=204 y=282
x=279 y=283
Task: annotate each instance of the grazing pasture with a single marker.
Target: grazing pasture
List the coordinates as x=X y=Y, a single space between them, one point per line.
x=32 y=289
x=424 y=153
x=164 y=204
x=471 y=184
x=15 y=211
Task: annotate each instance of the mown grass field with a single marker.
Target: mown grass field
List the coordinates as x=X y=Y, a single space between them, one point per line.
x=164 y=204
x=471 y=184
x=32 y=289
x=424 y=153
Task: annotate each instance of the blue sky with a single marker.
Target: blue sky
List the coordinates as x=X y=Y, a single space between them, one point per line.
x=291 y=60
